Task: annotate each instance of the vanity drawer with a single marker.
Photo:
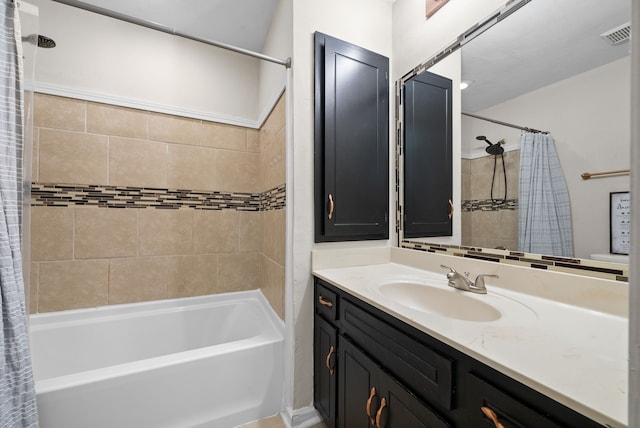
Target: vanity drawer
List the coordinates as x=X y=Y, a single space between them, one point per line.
x=509 y=411
x=326 y=302
x=427 y=373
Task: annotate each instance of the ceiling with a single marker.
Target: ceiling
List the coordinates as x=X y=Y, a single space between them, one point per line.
x=241 y=23
x=543 y=42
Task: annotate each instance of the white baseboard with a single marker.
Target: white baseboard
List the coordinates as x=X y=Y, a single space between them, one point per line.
x=301 y=418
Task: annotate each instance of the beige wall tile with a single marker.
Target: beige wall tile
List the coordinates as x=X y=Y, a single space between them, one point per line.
x=273 y=162
x=272 y=284
x=35 y=155
x=253 y=140
x=223 y=136
x=70 y=157
x=117 y=121
x=73 y=284
x=165 y=232
x=137 y=279
x=251 y=230
x=194 y=168
x=105 y=232
x=34 y=275
x=192 y=275
x=54 y=112
x=51 y=233
x=174 y=129
x=274 y=235
x=215 y=231
x=238 y=172
x=137 y=163
x=238 y=271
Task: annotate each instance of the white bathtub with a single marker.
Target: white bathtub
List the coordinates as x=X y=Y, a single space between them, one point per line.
x=211 y=361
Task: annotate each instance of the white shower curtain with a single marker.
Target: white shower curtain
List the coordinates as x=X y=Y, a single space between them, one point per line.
x=544 y=210
x=17 y=390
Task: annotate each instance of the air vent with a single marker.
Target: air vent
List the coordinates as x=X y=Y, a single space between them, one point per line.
x=618 y=35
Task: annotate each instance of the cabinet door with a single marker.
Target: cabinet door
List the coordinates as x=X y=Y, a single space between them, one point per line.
x=427 y=156
x=351 y=142
x=401 y=409
x=358 y=395
x=324 y=370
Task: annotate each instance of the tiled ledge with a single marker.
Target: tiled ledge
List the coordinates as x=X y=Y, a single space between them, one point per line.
x=64 y=195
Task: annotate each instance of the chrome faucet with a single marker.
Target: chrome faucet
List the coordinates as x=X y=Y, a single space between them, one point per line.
x=462 y=282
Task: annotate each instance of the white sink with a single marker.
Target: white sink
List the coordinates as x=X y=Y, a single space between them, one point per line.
x=441 y=300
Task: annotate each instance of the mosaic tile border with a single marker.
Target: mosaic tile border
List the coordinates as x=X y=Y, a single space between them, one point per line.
x=612 y=271
x=65 y=195
x=472 y=205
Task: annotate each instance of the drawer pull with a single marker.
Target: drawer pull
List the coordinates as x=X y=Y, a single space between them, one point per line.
x=451 y=207
x=491 y=415
x=328 y=361
x=373 y=394
x=383 y=404
x=331 y=206
x=324 y=302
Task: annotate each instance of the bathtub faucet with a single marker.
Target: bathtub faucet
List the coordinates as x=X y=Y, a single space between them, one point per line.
x=462 y=282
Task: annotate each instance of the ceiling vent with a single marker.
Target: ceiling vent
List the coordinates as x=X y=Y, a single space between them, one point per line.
x=618 y=35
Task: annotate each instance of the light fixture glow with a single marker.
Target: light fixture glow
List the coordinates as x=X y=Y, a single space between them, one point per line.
x=464 y=85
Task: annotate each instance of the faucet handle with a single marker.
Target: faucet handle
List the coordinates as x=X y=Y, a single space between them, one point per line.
x=451 y=270
x=479 y=282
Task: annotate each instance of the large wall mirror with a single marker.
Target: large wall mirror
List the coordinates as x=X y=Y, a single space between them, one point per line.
x=543 y=65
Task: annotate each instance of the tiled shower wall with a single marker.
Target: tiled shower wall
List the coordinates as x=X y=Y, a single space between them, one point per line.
x=486 y=223
x=130 y=205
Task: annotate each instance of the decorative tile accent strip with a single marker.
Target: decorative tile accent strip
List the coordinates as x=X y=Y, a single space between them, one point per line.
x=612 y=271
x=488 y=205
x=62 y=195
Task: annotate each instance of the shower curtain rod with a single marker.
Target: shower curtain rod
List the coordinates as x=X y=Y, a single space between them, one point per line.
x=172 y=31
x=499 y=122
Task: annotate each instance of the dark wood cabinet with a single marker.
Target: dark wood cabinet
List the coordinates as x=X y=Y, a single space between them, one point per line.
x=351 y=142
x=388 y=374
x=427 y=155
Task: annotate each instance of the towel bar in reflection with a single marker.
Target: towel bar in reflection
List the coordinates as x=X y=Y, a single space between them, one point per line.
x=588 y=175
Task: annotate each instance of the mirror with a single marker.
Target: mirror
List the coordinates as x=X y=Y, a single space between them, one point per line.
x=545 y=67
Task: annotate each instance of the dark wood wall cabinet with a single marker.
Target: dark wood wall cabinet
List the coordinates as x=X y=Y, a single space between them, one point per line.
x=427 y=154
x=372 y=370
x=351 y=142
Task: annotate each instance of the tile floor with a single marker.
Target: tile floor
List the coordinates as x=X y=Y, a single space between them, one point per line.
x=274 y=422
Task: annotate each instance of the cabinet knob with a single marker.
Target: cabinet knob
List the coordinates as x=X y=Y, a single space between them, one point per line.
x=491 y=415
x=328 y=360
x=331 y=206
x=371 y=395
x=451 y=209
x=324 y=302
x=383 y=404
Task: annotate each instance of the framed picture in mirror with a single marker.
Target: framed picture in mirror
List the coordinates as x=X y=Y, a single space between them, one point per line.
x=434 y=5
x=619 y=222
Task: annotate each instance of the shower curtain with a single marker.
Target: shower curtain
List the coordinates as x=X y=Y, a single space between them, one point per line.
x=544 y=210
x=17 y=389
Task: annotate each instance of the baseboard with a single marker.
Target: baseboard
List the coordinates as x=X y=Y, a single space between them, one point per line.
x=301 y=418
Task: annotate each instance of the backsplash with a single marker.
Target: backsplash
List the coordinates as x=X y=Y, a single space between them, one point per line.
x=130 y=205
x=612 y=271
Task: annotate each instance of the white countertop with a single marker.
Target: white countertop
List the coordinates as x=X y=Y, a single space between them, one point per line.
x=576 y=356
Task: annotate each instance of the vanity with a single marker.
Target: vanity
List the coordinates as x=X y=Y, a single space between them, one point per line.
x=395 y=346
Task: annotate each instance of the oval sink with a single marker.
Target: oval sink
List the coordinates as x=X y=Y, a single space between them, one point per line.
x=446 y=302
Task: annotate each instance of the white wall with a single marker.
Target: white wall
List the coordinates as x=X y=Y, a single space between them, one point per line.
x=588 y=117
x=114 y=61
x=279 y=44
x=366 y=23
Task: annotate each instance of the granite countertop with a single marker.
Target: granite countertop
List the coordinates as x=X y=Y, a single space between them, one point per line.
x=576 y=356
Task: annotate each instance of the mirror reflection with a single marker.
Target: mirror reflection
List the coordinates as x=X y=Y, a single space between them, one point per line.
x=549 y=69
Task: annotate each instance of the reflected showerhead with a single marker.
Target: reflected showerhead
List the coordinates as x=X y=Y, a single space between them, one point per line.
x=45 y=42
x=493 y=149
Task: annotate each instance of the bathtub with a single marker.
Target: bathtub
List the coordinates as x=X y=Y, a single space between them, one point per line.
x=211 y=361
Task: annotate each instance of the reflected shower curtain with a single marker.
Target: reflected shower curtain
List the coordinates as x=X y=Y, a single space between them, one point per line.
x=544 y=210
x=17 y=390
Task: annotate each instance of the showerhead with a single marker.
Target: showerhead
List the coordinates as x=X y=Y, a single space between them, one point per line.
x=493 y=149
